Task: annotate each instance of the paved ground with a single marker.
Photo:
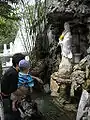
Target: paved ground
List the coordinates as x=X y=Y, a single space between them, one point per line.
x=50 y=111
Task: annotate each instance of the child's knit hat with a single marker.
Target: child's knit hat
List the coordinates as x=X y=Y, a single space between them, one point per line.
x=24 y=64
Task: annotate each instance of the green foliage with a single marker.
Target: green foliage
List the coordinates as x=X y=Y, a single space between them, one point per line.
x=8 y=24
x=12 y=1
x=7 y=11
x=8 y=30
x=34 y=14
x=33 y=17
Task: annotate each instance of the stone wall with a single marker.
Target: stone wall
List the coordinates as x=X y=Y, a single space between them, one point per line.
x=67 y=88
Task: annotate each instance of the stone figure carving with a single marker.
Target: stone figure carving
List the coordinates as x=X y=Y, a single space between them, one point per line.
x=65 y=67
x=65 y=41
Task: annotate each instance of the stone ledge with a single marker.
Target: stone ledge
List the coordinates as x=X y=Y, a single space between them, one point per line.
x=68 y=109
x=63 y=81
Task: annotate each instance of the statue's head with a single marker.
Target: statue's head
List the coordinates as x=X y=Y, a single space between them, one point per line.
x=66 y=26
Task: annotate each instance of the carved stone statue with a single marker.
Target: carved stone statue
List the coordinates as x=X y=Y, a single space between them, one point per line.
x=65 y=67
x=65 y=41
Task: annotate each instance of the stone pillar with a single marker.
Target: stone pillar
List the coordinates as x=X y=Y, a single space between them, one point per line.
x=11 y=48
x=5 y=49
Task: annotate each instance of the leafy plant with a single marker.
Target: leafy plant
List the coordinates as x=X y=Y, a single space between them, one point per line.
x=33 y=18
x=8 y=23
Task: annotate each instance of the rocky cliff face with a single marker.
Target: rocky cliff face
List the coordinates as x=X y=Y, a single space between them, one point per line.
x=77 y=13
x=48 y=54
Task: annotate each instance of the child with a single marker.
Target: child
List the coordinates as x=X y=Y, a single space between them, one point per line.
x=25 y=82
